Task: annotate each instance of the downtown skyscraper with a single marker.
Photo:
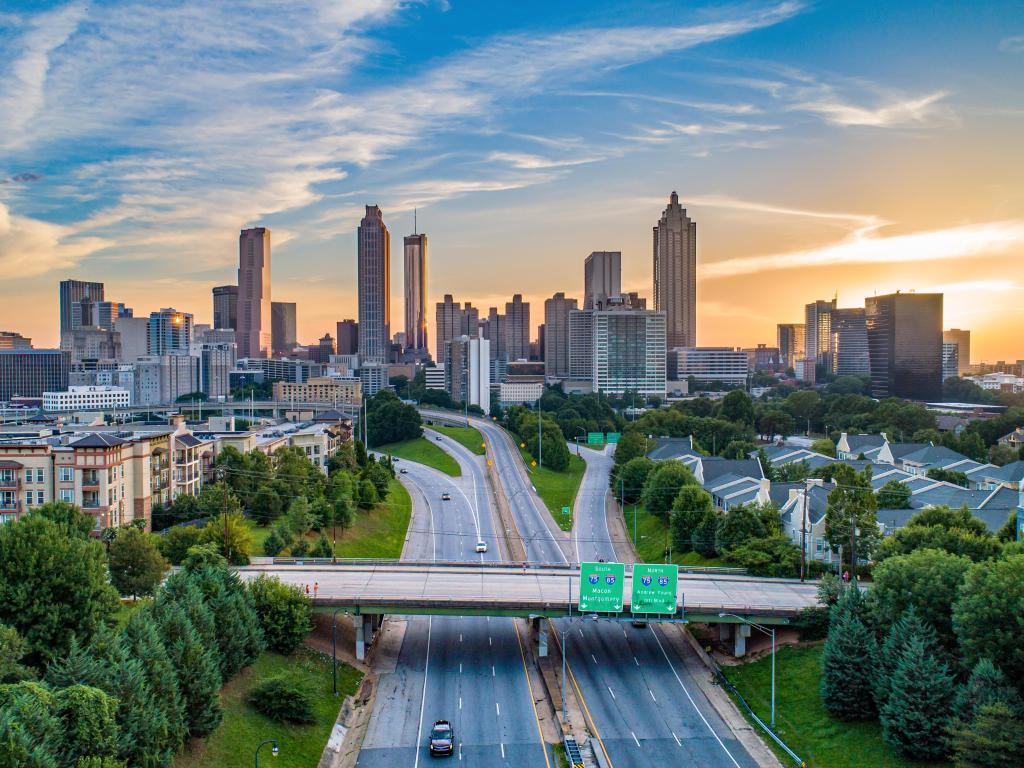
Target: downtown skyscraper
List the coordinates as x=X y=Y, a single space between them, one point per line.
x=253 y=331
x=416 y=294
x=602 y=278
x=675 y=274
x=374 y=285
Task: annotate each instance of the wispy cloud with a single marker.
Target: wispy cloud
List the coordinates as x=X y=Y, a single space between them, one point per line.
x=529 y=162
x=1012 y=44
x=899 y=111
x=868 y=246
x=29 y=247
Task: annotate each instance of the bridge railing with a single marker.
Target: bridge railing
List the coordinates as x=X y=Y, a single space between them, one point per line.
x=488 y=564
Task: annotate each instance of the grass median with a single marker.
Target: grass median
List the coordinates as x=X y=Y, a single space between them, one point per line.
x=424 y=451
x=243 y=728
x=557 y=489
x=467 y=436
x=652 y=540
x=801 y=719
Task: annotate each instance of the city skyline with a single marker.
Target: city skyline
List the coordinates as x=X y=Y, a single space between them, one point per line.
x=722 y=105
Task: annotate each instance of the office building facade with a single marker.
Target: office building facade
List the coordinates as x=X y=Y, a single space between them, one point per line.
x=556 y=335
x=453 y=320
x=950 y=360
x=818 y=330
x=225 y=306
x=253 y=306
x=467 y=371
x=216 y=361
x=283 y=331
x=14 y=340
x=848 y=348
x=675 y=273
x=73 y=292
x=374 y=257
x=962 y=339
x=629 y=352
x=169 y=332
x=581 y=344
x=347 y=337
x=95 y=398
x=707 y=365
x=416 y=293
x=517 y=328
x=30 y=372
x=905 y=345
x=790 y=338
x=602 y=278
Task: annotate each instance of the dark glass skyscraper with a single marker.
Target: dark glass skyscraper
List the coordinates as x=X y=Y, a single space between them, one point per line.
x=374 y=287
x=30 y=372
x=73 y=292
x=905 y=345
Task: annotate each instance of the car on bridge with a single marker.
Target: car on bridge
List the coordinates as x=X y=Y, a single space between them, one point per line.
x=481 y=546
x=442 y=739
x=446 y=496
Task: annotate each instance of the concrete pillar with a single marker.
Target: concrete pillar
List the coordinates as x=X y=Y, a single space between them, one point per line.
x=724 y=632
x=360 y=627
x=740 y=641
x=542 y=636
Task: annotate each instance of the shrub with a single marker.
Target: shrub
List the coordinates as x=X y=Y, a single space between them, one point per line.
x=272 y=545
x=175 y=543
x=812 y=623
x=284 y=613
x=279 y=698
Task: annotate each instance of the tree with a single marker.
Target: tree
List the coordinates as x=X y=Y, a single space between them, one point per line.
x=994 y=739
x=847 y=662
x=230 y=536
x=195 y=665
x=663 y=485
x=825 y=447
x=992 y=593
x=68 y=517
x=771 y=555
x=136 y=565
x=300 y=519
x=280 y=698
x=389 y=420
x=803 y=405
x=948 y=476
x=745 y=522
x=691 y=510
x=175 y=543
x=237 y=628
x=987 y=685
x=632 y=476
x=907 y=626
x=272 y=545
x=88 y=724
x=850 y=514
x=917 y=714
x=775 y=422
x=894 y=495
x=1001 y=455
x=284 y=613
x=52 y=586
x=217 y=499
x=631 y=445
x=30 y=733
x=367 y=495
x=183 y=509
x=928 y=580
x=972 y=446
x=266 y=505
x=379 y=475
x=955 y=531
x=343 y=514
x=737 y=406
x=12 y=649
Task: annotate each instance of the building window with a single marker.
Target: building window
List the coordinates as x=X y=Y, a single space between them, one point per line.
x=28 y=498
x=67 y=474
x=40 y=497
x=39 y=474
x=67 y=495
x=28 y=475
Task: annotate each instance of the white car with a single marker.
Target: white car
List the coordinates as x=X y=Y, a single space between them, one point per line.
x=481 y=546
x=446 y=496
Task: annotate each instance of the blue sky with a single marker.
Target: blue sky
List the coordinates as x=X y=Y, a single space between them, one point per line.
x=822 y=147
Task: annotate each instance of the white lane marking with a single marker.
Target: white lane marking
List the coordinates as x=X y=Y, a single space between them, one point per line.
x=635 y=661
x=611 y=692
x=652 y=695
x=489 y=640
x=460 y=637
x=497 y=708
x=460 y=750
x=423 y=697
x=493 y=673
x=677 y=739
x=460 y=667
x=699 y=713
x=594 y=658
x=502 y=750
x=581 y=633
x=460 y=702
x=635 y=738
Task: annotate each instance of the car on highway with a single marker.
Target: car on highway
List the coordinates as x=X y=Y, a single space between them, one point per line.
x=442 y=739
x=403 y=471
x=481 y=546
x=639 y=623
x=446 y=496
x=438 y=438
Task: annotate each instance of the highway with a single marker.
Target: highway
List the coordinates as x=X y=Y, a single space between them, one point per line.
x=468 y=670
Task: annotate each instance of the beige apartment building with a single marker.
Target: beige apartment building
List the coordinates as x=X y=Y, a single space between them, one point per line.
x=319 y=389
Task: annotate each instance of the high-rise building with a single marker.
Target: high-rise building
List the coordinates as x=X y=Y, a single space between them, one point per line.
x=92 y=343
x=169 y=333
x=348 y=337
x=225 y=306
x=962 y=339
x=374 y=287
x=818 y=330
x=416 y=293
x=161 y=379
x=283 y=332
x=467 y=371
x=30 y=372
x=517 y=328
x=629 y=352
x=14 y=340
x=848 y=348
x=950 y=360
x=602 y=277
x=216 y=361
x=72 y=292
x=556 y=334
x=581 y=344
x=253 y=321
x=496 y=331
x=324 y=349
x=791 y=343
x=763 y=358
x=453 y=320
x=675 y=273
x=134 y=332
x=725 y=365
x=905 y=343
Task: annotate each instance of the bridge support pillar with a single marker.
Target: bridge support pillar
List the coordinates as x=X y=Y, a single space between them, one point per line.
x=740 y=640
x=724 y=632
x=543 y=627
x=364 y=626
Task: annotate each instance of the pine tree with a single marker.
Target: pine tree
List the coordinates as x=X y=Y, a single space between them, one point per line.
x=88 y=722
x=916 y=716
x=77 y=667
x=986 y=685
x=142 y=641
x=995 y=739
x=196 y=667
x=847 y=661
x=30 y=734
x=235 y=620
x=182 y=589
x=907 y=626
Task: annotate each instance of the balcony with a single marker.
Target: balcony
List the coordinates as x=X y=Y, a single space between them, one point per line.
x=90 y=480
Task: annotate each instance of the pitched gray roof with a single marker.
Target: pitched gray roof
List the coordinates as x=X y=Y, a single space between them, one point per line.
x=671 y=448
x=860 y=443
x=1008 y=473
x=98 y=440
x=933 y=454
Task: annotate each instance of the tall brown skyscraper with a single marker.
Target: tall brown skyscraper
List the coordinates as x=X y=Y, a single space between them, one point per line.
x=374 y=287
x=517 y=328
x=452 y=321
x=348 y=337
x=675 y=274
x=556 y=335
x=416 y=293
x=253 y=329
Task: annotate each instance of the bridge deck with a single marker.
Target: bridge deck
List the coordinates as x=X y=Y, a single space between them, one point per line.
x=515 y=591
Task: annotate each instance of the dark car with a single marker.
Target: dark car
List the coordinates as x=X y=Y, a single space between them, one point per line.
x=442 y=739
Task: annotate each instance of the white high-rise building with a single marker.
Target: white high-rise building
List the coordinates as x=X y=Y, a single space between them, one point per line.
x=629 y=352
x=675 y=274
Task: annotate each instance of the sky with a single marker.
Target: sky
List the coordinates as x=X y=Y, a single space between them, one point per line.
x=823 y=148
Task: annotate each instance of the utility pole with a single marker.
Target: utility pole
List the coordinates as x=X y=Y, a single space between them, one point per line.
x=540 y=444
x=803 y=532
x=853 y=545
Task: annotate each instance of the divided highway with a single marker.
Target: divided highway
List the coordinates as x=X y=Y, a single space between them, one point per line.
x=470 y=671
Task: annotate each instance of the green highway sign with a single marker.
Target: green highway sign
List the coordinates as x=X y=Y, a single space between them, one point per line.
x=595 y=438
x=566 y=510
x=655 y=588
x=601 y=587
x=613 y=437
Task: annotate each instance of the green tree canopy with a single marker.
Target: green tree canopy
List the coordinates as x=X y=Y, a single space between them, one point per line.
x=894 y=495
x=284 y=612
x=632 y=477
x=987 y=613
x=738 y=407
x=692 y=510
x=389 y=420
x=850 y=514
x=663 y=485
x=136 y=565
x=917 y=714
x=848 y=661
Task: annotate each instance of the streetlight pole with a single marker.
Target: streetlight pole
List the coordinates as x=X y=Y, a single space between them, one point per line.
x=767 y=632
x=540 y=443
x=273 y=749
x=579 y=429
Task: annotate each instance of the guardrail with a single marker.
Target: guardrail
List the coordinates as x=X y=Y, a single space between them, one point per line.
x=764 y=726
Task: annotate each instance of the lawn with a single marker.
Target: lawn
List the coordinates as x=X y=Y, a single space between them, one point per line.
x=557 y=489
x=232 y=744
x=801 y=719
x=424 y=451
x=259 y=534
x=468 y=436
x=652 y=540
x=126 y=609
